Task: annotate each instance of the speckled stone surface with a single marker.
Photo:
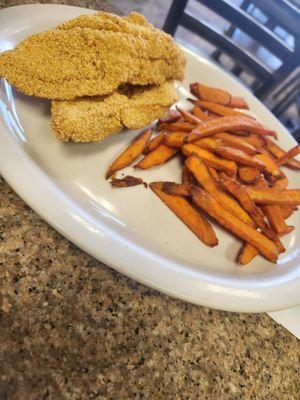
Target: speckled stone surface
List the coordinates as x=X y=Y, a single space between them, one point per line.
x=72 y=328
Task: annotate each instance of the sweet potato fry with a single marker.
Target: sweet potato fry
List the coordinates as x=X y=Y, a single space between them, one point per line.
x=211 y=206
x=247 y=253
x=286 y=211
x=256 y=141
x=208 y=143
x=281 y=183
x=237 y=143
x=262 y=195
x=289 y=155
x=187 y=178
x=177 y=126
x=201 y=173
x=197 y=111
x=239 y=156
x=188 y=215
x=210 y=94
x=130 y=154
x=249 y=175
x=218 y=109
x=155 y=142
x=276 y=219
x=127 y=181
x=278 y=152
x=210 y=159
x=231 y=123
x=214 y=173
x=158 y=156
x=271 y=168
x=175 y=139
x=192 y=119
x=238 y=102
x=171 y=116
x=176 y=189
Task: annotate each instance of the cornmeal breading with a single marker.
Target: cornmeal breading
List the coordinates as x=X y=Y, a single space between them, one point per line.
x=95 y=59
x=93 y=119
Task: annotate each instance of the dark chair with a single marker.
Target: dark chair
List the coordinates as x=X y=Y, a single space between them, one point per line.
x=278 y=13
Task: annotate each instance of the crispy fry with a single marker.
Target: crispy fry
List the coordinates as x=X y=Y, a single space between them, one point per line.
x=218 y=109
x=176 y=189
x=239 y=156
x=188 y=215
x=249 y=175
x=214 y=173
x=192 y=119
x=237 y=143
x=208 y=143
x=205 y=201
x=187 y=178
x=286 y=211
x=210 y=94
x=130 y=154
x=262 y=195
x=247 y=253
x=231 y=123
x=201 y=173
x=158 y=156
x=175 y=139
x=210 y=159
x=271 y=167
x=276 y=219
x=281 y=183
x=155 y=142
x=289 y=155
x=127 y=181
x=171 y=116
x=256 y=141
x=238 y=102
x=177 y=126
x=197 y=111
x=278 y=152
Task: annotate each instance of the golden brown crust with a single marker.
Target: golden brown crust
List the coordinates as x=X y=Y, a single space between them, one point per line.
x=93 y=119
x=75 y=61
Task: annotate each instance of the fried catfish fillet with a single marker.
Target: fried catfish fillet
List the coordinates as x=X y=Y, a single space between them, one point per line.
x=92 y=56
x=93 y=119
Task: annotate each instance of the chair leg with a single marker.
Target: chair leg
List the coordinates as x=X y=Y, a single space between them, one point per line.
x=174 y=16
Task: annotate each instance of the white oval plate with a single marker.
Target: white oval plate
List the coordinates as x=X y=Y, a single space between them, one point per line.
x=130 y=229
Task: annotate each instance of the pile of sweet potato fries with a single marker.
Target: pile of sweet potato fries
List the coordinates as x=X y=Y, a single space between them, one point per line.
x=230 y=171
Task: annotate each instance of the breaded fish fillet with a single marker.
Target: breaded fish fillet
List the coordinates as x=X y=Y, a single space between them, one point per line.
x=92 y=60
x=93 y=119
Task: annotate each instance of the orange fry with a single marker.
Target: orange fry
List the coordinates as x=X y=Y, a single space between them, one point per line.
x=205 y=201
x=155 y=142
x=210 y=94
x=271 y=168
x=210 y=159
x=176 y=189
x=281 y=183
x=262 y=195
x=218 y=109
x=289 y=155
x=237 y=143
x=129 y=155
x=278 y=152
x=192 y=119
x=249 y=175
x=286 y=211
x=188 y=215
x=187 y=178
x=276 y=219
x=171 y=116
x=239 y=156
x=247 y=253
x=158 y=156
x=208 y=143
x=231 y=123
x=177 y=126
x=238 y=102
x=200 y=114
x=201 y=173
x=256 y=141
x=214 y=173
x=175 y=139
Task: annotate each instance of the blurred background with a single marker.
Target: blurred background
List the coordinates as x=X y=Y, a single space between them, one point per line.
x=257 y=41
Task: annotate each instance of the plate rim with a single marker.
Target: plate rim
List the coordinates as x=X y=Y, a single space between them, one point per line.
x=209 y=293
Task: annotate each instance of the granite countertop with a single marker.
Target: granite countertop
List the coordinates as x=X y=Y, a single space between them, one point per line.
x=72 y=328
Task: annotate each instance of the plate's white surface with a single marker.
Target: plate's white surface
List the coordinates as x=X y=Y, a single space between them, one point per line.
x=130 y=229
